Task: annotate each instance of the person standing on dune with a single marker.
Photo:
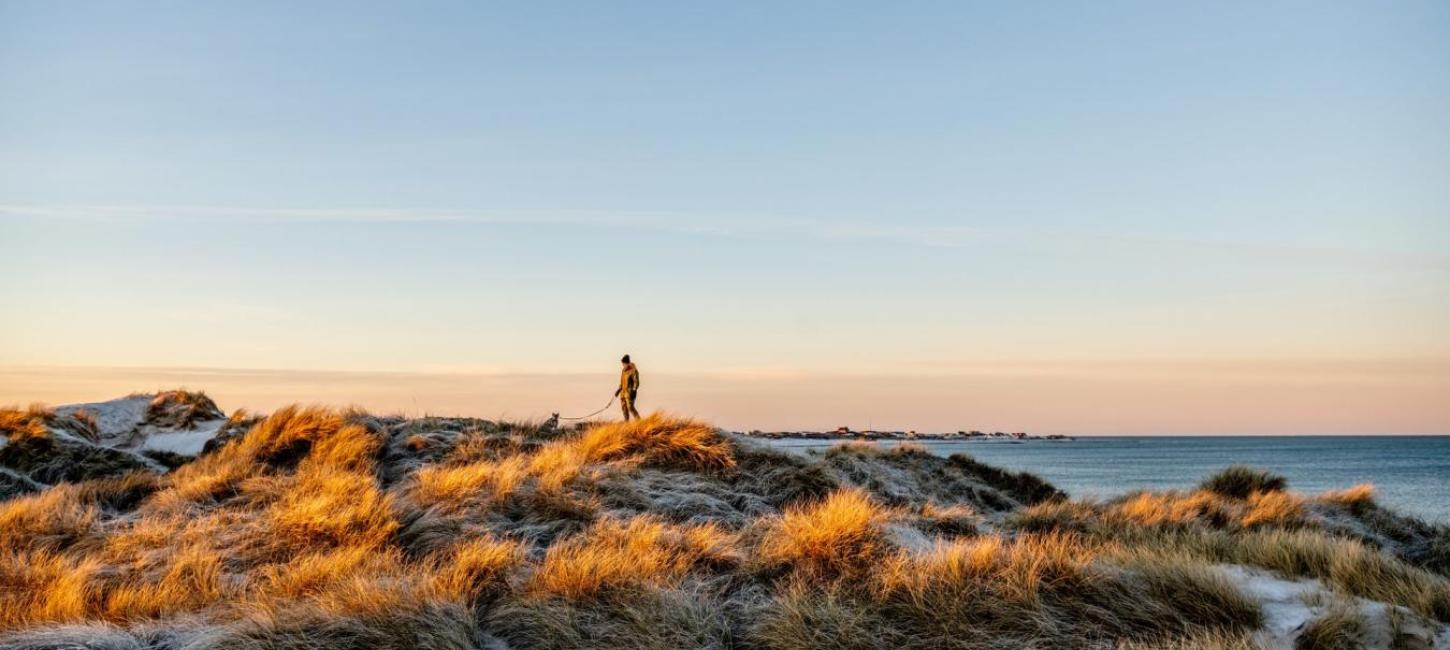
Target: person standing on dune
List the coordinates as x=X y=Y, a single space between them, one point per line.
x=628 y=388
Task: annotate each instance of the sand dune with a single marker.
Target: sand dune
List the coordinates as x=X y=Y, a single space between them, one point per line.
x=157 y=522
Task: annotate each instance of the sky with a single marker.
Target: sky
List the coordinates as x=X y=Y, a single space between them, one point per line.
x=1116 y=217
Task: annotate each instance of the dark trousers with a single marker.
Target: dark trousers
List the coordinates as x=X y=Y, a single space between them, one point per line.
x=626 y=404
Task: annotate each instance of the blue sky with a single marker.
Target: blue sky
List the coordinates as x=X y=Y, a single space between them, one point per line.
x=815 y=188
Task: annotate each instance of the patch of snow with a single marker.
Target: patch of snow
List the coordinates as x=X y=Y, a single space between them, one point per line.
x=115 y=418
x=185 y=442
x=122 y=425
x=1283 y=602
x=1287 y=609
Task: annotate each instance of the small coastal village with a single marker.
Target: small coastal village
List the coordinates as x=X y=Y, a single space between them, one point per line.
x=846 y=433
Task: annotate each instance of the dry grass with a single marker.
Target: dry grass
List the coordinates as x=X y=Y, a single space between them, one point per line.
x=623 y=554
x=461 y=484
x=282 y=439
x=803 y=616
x=644 y=618
x=53 y=519
x=659 y=440
x=331 y=509
x=1241 y=481
x=1347 y=564
x=1025 y=487
x=952 y=520
x=191 y=580
x=476 y=570
x=1354 y=498
x=1205 y=641
x=656 y=440
x=311 y=574
x=19 y=424
x=319 y=528
x=1344 y=563
x=84 y=424
x=1341 y=627
x=1196 y=592
x=181 y=409
x=839 y=535
x=300 y=484
x=1032 y=591
x=1135 y=591
x=1171 y=510
x=44 y=587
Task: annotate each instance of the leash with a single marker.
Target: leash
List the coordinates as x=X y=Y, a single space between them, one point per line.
x=601 y=410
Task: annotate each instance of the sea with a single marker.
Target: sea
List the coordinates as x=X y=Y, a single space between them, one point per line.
x=1410 y=473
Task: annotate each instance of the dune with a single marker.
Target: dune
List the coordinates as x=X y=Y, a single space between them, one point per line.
x=158 y=522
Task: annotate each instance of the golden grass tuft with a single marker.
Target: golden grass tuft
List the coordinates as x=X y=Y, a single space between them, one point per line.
x=1015 y=569
x=1170 y=510
x=556 y=464
x=317 y=572
x=334 y=499
x=460 y=484
x=290 y=432
x=330 y=509
x=656 y=440
x=640 y=551
x=1201 y=641
x=19 y=424
x=329 y=440
x=659 y=440
x=475 y=570
x=1354 y=498
x=856 y=448
x=52 y=519
x=192 y=579
x=838 y=535
x=43 y=587
x=1283 y=509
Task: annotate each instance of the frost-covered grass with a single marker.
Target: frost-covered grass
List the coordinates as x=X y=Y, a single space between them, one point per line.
x=1342 y=538
x=320 y=528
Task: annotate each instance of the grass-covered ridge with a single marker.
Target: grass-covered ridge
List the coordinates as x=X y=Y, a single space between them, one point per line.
x=322 y=528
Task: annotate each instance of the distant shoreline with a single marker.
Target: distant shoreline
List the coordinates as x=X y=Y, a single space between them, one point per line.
x=844 y=434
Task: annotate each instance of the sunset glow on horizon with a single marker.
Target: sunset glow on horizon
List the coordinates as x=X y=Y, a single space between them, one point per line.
x=1128 y=219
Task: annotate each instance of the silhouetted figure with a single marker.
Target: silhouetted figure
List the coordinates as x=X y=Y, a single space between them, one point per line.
x=628 y=388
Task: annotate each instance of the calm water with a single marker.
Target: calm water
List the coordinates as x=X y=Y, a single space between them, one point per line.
x=1410 y=473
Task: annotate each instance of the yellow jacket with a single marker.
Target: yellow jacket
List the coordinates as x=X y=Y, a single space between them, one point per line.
x=628 y=379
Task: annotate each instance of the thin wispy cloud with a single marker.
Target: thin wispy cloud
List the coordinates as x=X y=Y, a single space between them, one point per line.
x=740 y=226
x=729 y=225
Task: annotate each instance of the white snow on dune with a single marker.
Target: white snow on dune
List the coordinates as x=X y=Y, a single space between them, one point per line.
x=185 y=442
x=116 y=418
x=1289 y=605
x=1283 y=602
x=122 y=425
